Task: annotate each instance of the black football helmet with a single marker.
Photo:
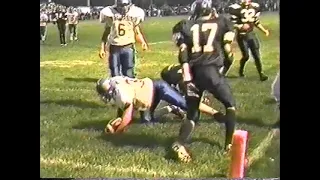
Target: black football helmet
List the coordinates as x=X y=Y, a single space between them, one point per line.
x=201 y=8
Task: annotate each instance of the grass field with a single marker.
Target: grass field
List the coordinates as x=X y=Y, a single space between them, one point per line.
x=72 y=118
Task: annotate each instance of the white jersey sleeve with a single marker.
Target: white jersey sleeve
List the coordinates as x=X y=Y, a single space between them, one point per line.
x=138 y=13
x=106 y=16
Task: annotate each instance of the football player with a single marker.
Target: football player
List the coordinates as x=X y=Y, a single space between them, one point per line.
x=122 y=28
x=43 y=24
x=228 y=56
x=245 y=17
x=200 y=54
x=276 y=94
x=73 y=20
x=61 y=20
x=140 y=94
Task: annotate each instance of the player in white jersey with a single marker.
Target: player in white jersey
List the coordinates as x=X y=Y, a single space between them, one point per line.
x=142 y=95
x=121 y=31
x=73 y=20
x=43 y=25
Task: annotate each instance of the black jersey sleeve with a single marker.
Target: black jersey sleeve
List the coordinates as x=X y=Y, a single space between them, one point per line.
x=257 y=11
x=234 y=11
x=177 y=33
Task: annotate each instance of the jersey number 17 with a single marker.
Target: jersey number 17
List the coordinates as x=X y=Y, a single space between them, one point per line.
x=196 y=30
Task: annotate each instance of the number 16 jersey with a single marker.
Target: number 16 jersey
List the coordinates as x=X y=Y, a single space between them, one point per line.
x=204 y=39
x=122 y=26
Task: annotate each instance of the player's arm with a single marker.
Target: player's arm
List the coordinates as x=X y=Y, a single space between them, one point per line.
x=183 y=57
x=228 y=38
x=257 y=22
x=107 y=20
x=123 y=98
x=139 y=35
x=140 y=38
x=126 y=117
x=234 y=18
x=104 y=37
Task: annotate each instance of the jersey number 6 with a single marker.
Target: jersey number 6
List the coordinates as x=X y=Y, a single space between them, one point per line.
x=208 y=47
x=121 y=31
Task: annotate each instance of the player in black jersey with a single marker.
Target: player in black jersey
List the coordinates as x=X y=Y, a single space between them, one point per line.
x=245 y=16
x=201 y=56
x=61 y=20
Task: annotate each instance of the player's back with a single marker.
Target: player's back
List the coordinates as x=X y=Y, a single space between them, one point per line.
x=204 y=38
x=136 y=91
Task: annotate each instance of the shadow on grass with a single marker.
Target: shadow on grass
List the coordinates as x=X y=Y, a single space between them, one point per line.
x=142 y=140
x=75 y=103
x=97 y=125
x=252 y=121
x=270 y=101
x=90 y=80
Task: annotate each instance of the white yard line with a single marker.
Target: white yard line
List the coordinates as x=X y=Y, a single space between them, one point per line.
x=160 y=42
x=107 y=168
x=65 y=90
x=260 y=151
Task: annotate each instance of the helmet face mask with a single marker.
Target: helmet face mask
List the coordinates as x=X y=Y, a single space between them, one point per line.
x=201 y=8
x=104 y=90
x=122 y=6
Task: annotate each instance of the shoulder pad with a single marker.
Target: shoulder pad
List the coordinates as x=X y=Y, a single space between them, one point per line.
x=137 y=11
x=107 y=11
x=179 y=26
x=256 y=5
x=235 y=6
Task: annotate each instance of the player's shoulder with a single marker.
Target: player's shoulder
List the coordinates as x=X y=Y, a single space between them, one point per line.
x=255 y=5
x=137 y=11
x=181 y=25
x=234 y=9
x=108 y=11
x=234 y=6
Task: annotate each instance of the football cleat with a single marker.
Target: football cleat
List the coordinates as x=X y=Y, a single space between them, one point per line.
x=181 y=152
x=179 y=112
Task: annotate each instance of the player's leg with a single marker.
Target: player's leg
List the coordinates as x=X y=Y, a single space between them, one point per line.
x=254 y=46
x=114 y=61
x=75 y=32
x=243 y=46
x=228 y=60
x=42 y=33
x=63 y=31
x=187 y=127
x=127 y=61
x=211 y=80
x=70 y=27
x=45 y=33
x=60 y=33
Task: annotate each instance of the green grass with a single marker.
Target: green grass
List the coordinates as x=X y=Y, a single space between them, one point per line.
x=72 y=117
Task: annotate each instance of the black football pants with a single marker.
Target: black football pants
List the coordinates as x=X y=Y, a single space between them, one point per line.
x=209 y=78
x=249 y=42
x=62 y=32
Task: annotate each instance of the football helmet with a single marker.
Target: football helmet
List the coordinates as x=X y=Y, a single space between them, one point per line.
x=246 y=2
x=123 y=6
x=201 y=8
x=104 y=89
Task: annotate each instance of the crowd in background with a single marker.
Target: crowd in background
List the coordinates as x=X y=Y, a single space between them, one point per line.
x=87 y=13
